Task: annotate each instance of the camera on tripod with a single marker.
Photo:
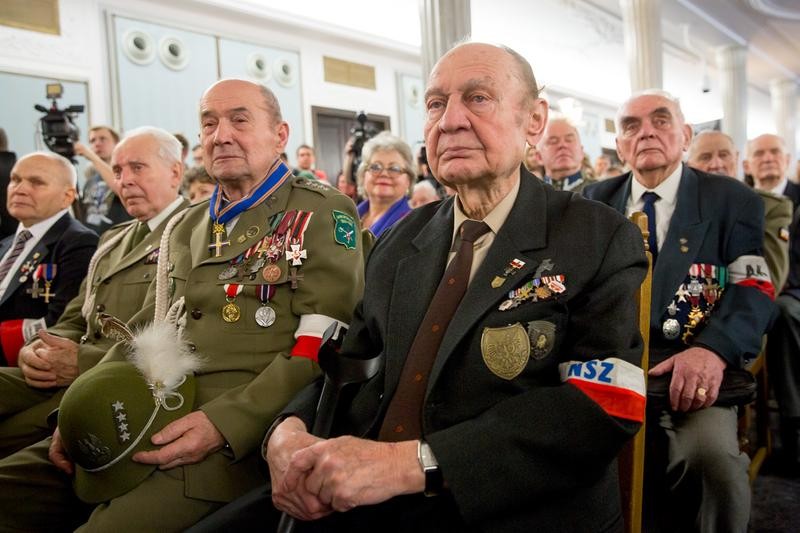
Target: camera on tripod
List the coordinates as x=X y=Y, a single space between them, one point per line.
x=58 y=128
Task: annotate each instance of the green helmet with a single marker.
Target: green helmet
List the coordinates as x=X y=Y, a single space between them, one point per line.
x=107 y=415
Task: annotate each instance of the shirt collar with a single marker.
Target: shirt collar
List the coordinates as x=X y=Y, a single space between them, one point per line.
x=154 y=222
x=40 y=228
x=496 y=217
x=667 y=190
x=780 y=188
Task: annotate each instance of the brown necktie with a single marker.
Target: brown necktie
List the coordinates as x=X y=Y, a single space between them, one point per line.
x=403 y=420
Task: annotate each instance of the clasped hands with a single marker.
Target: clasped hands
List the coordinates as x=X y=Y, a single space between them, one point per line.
x=313 y=477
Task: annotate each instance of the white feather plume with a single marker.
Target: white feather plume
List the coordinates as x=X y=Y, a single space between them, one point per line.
x=163 y=356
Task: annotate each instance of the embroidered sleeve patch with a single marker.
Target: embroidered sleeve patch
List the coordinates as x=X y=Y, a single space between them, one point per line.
x=752 y=271
x=344 y=229
x=615 y=385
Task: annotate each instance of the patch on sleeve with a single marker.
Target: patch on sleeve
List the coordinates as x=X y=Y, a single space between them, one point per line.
x=752 y=271
x=344 y=229
x=783 y=233
x=615 y=385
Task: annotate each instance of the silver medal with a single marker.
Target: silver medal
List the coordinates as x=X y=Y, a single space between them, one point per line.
x=265 y=316
x=228 y=273
x=671 y=328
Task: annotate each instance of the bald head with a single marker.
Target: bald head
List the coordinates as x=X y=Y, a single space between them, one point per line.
x=41 y=185
x=242 y=134
x=560 y=149
x=481 y=110
x=714 y=152
x=767 y=161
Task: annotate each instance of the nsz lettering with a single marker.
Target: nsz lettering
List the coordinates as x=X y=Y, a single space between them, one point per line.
x=589 y=370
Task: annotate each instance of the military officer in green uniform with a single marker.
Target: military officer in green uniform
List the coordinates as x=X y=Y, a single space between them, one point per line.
x=251 y=278
x=715 y=153
x=148 y=167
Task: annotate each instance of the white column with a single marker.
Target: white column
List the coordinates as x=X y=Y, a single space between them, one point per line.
x=784 y=110
x=732 y=66
x=641 y=25
x=444 y=22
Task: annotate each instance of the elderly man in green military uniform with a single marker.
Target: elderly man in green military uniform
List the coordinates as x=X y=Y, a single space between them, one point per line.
x=148 y=168
x=251 y=279
x=715 y=153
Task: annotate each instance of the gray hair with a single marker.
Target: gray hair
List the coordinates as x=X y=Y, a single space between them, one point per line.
x=425 y=184
x=749 y=145
x=385 y=142
x=651 y=92
x=169 y=147
x=69 y=169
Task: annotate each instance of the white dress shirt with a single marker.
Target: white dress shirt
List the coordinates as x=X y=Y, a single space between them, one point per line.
x=667 y=191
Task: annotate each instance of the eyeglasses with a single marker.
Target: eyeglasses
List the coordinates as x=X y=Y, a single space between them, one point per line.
x=394 y=171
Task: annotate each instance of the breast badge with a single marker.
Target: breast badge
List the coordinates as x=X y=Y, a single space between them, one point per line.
x=506 y=350
x=542 y=335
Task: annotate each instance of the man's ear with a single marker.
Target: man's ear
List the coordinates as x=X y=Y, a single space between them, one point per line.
x=537 y=122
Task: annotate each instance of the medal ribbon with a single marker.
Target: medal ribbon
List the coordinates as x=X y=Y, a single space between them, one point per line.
x=299 y=227
x=46 y=271
x=232 y=290
x=276 y=176
x=264 y=293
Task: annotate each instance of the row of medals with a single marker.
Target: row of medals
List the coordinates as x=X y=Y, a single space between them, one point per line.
x=263 y=256
x=710 y=290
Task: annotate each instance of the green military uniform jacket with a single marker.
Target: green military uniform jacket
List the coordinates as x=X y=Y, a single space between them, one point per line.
x=248 y=374
x=777 y=219
x=121 y=279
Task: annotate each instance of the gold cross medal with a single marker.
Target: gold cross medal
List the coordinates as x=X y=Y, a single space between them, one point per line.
x=218 y=231
x=230 y=311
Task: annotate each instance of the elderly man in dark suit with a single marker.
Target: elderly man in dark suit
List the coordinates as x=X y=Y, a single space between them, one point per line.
x=510 y=378
x=712 y=302
x=43 y=263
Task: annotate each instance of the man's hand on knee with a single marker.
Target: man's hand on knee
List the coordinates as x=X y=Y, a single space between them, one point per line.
x=696 y=378
x=187 y=440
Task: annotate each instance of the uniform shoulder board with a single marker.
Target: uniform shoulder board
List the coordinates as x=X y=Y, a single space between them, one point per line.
x=312 y=185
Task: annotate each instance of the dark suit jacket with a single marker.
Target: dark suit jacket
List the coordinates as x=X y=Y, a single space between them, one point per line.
x=524 y=454
x=792 y=191
x=7 y=223
x=720 y=220
x=68 y=244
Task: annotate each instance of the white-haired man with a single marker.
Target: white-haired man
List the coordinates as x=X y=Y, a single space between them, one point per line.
x=562 y=156
x=147 y=171
x=41 y=265
x=712 y=302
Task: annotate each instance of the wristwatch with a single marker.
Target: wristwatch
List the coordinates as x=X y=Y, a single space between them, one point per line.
x=434 y=482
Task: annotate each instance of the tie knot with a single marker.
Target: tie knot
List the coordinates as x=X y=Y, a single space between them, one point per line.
x=471 y=230
x=24 y=235
x=650 y=197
